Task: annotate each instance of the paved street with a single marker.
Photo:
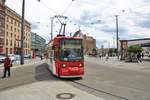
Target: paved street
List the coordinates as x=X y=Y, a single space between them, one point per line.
x=34 y=81
x=119 y=79
x=103 y=80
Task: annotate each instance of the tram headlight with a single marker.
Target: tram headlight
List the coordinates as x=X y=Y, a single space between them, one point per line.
x=80 y=65
x=63 y=65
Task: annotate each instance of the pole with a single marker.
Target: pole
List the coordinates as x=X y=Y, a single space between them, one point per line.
x=60 y=29
x=64 y=28
x=117 y=36
x=22 y=33
x=52 y=27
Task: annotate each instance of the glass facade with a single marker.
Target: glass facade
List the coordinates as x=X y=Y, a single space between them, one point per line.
x=38 y=44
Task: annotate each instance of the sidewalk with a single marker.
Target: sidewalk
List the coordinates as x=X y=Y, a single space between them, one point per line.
x=113 y=62
x=46 y=90
x=38 y=88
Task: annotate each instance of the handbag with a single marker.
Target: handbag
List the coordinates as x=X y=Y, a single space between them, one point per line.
x=10 y=65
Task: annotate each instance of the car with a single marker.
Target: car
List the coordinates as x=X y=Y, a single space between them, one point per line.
x=27 y=56
x=12 y=57
x=2 y=58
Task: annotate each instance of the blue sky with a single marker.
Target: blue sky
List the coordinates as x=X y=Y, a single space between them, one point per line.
x=95 y=17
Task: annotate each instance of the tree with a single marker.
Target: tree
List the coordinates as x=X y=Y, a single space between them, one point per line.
x=94 y=51
x=132 y=51
x=112 y=51
x=135 y=49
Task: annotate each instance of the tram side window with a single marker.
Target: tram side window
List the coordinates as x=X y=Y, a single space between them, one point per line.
x=56 y=56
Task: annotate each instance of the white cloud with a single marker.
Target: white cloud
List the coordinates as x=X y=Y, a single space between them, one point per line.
x=133 y=14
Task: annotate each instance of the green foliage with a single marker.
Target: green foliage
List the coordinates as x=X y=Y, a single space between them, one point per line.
x=112 y=50
x=94 y=49
x=135 y=49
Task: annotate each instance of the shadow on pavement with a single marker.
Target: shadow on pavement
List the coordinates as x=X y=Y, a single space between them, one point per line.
x=42 y=73
x=27 y=75
x=71 y=79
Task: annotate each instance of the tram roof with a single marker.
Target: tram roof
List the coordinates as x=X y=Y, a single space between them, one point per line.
x=67 y=37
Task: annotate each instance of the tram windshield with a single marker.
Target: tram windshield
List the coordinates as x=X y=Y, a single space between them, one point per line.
x=71 y=49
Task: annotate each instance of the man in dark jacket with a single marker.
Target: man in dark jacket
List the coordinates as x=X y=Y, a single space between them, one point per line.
x=7 y=65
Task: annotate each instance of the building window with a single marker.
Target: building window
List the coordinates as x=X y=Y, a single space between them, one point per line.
x=7 y=33
x=18 y=44
x=11 y=43
x=11 y=28
x=15 y=23
x=7 y=19
x=7 y=26
x=10 y=50
x=6 y=50
x=14 y=43
x=26 y=45
x=6 y=41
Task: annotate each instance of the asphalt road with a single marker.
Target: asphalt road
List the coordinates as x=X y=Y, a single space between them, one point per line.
x=100 y=80
x=115 y=83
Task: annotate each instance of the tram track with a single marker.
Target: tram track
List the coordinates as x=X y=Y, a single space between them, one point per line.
x=98 y=90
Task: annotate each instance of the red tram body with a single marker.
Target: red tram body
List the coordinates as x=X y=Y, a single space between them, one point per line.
x=66 y=57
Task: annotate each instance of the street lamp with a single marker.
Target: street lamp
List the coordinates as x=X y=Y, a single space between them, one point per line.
x=22 y=33
x=117 y=37
x=116 y=16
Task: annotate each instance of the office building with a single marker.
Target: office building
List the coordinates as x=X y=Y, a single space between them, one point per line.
x=10 y=32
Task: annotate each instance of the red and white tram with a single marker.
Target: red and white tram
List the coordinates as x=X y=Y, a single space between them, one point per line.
x=66 y=57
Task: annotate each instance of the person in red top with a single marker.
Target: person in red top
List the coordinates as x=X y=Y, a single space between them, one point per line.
x=7 y=65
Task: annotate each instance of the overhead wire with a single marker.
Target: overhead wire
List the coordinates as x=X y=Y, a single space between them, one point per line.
x=50 y=9
x=65 y=10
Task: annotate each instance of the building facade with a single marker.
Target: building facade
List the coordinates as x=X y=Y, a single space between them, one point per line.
x=2 y=25
x=144 y=43
x=38 y=44
x=11 y=35
x=123 y=48
x=89 y=43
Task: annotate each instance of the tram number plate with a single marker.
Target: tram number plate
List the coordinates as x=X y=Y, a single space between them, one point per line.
x=75 y=68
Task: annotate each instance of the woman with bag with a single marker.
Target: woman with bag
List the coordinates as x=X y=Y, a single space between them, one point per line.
x=7 y=65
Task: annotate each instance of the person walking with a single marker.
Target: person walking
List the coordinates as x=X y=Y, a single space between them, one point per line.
x=100 y=56
x=107 y=57
x=142 y=56
x=7 y=65
x=139 y=57
x=41 y=57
